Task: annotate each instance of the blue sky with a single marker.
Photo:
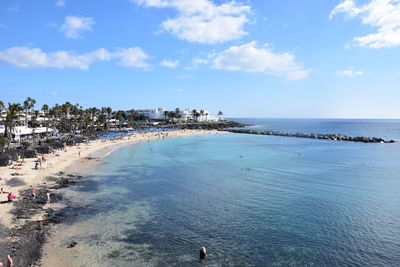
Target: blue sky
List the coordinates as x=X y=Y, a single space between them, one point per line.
x=255 y=58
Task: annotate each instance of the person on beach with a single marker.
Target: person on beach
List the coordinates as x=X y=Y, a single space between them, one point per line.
x=11 y=197
x=10 y=262
x=36 y=165
x=33 y=193
x=48 y=198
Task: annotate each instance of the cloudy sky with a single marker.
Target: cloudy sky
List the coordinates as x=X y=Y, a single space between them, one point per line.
x=254 y=58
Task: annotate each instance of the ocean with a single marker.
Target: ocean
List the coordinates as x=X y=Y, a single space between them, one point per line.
x=250 y=200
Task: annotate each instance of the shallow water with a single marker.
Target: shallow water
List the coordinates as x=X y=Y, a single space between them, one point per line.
x=251 y=200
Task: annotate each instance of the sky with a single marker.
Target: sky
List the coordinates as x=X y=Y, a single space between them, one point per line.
x=247 y=58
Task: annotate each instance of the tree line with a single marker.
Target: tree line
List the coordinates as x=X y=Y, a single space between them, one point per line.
x=68 y=117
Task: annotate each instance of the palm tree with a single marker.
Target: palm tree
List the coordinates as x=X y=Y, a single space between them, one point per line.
x=29 y=103
x=2 y=107
x=220 y=113
x=45 y=109
x=93 y=112
x=202 y=112
x=86 y=119
x=178 y=114
x=109 y=112
x=11 y=116
x=120 y=116
x=166 y=114
x=55 y=114
x=196 y=114
x=132 y=115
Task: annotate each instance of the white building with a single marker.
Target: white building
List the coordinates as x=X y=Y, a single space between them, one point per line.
x=152 y=113
x=20 y=132
x=187 y=115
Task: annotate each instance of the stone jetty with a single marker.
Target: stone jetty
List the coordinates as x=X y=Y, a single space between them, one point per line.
x=335 y=137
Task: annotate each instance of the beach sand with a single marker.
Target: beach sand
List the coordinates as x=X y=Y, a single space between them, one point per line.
x=74 y=159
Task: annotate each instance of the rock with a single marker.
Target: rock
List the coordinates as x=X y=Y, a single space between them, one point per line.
x=333 y=137
x=72 y=244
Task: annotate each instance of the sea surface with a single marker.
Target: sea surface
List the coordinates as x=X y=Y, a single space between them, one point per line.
x=250 y=200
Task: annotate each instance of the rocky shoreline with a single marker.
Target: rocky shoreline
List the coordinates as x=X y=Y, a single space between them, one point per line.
x=221 y=125
x=25 y=240
x=334 y=137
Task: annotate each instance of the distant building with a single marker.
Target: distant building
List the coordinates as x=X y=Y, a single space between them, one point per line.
x=24 y=132
x=188 y=115
x=152 y=113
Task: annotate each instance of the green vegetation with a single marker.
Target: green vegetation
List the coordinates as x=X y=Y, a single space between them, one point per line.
x=69 y=118
x=26 y=144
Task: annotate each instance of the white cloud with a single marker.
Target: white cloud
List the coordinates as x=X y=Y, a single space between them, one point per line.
x=250 y=58
x=74 y=26
x=169 y=63
x=132 y=57
x=197 y=62
x=349 y=73
x=201 y=21
x=382 y=14
x=61 y=3
x=26 y=57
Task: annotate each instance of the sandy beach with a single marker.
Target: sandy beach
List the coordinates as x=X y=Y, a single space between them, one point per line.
x=73 y=159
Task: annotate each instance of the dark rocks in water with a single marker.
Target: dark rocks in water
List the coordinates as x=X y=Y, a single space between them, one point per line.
x=55 y=218
x=51 y=179
x=72 y=244
x=114 y=254
x=335 y=137
x=28 y=236
x=207 y=125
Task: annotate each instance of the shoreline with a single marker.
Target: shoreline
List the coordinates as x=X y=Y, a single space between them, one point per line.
x=26 y=223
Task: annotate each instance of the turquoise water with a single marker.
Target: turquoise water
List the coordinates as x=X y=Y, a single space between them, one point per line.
x=251 y=200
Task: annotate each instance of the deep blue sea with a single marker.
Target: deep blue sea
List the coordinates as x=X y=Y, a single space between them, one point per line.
x=250 y=200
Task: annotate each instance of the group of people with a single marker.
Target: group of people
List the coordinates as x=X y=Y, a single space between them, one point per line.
x=11 y=197
x=48 y=199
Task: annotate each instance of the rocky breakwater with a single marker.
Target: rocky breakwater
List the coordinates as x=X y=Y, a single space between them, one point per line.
x=220 y=125
x=334 y=137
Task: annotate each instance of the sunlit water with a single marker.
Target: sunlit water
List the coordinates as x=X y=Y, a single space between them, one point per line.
x=250 y=200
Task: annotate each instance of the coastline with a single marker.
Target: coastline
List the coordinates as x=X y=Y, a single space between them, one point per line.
x=20 y=218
